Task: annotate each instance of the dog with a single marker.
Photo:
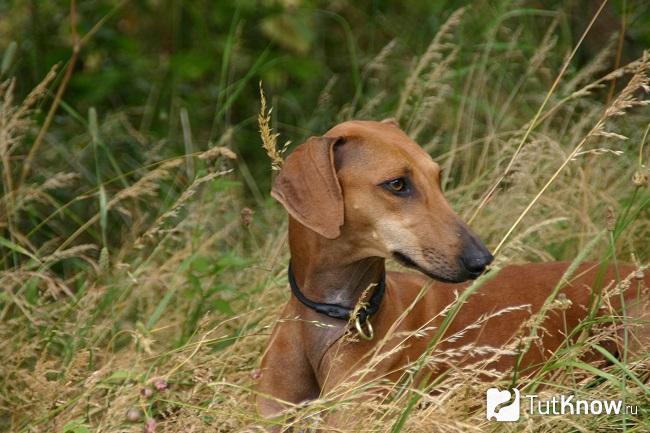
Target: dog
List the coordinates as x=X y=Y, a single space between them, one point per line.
x=364 y=193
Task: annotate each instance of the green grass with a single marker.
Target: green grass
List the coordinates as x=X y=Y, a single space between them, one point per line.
x=142 y=267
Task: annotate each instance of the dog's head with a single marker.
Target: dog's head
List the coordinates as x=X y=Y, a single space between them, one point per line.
x=369 y=186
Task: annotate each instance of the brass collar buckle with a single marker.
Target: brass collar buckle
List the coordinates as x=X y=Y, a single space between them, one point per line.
x=366 y=334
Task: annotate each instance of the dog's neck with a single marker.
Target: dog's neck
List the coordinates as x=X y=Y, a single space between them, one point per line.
x=327 y=271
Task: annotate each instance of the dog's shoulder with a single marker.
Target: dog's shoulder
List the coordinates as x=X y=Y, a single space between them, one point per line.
x=408 y=285
x=407 y=281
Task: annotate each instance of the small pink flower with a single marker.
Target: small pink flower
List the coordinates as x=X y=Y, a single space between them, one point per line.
x=133 y=414
x=160 y=384
x=150 y=426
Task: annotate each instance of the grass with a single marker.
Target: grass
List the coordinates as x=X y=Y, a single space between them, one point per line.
x=140 y=286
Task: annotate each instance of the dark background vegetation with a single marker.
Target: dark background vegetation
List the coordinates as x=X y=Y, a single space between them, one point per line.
x=150 y=59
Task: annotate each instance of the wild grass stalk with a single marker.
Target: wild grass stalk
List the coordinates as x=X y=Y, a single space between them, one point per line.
x=533 y=122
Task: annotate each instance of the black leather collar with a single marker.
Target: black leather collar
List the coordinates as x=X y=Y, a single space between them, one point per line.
x=338 y=311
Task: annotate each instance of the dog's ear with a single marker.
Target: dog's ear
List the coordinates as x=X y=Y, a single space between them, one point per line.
x=308 y=188
x=391 y=121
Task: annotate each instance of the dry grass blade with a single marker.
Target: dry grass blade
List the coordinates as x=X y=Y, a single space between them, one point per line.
x=432 y=55
x=624 y=101
x=269 y=138
x=533 y=123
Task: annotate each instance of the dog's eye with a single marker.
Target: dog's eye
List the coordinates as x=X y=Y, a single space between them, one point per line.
x=397 y=186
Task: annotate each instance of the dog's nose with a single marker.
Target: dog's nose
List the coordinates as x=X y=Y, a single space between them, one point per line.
x=477 y=261
x=475 y=256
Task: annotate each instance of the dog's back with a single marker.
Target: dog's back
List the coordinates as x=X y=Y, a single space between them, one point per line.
x=491 y=321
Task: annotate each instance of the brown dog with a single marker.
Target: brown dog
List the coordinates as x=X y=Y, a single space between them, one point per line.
x=364 y=193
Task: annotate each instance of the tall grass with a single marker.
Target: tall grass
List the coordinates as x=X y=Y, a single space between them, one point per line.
x=139 y=287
